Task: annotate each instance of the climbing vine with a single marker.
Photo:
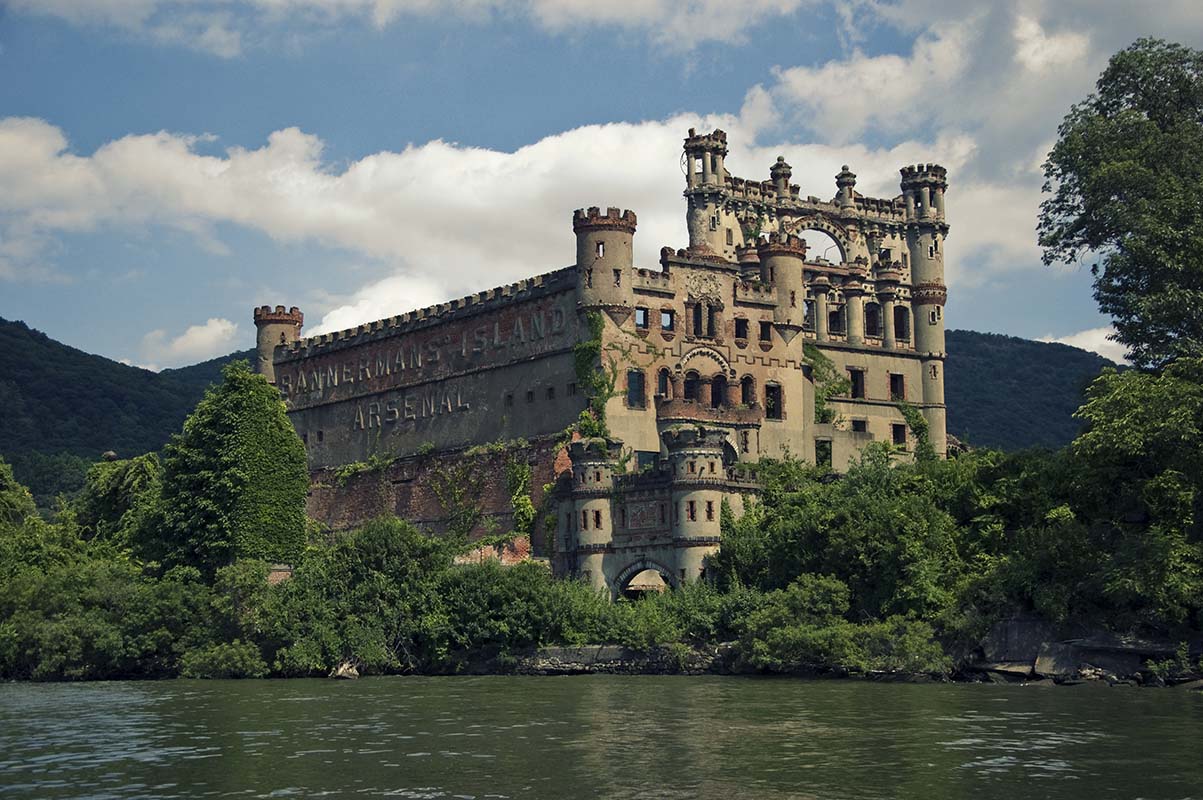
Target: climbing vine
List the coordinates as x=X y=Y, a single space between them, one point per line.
x=924 y=452
x=828 y=382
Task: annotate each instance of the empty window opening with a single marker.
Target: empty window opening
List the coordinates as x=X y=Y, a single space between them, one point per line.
x=741 y=329
x=667 y=323
x=551 y=393
x=597 y=519
x=661 y=513
x=711 y=467
x=823 y=453
x=321 y=436
x=860 y=426
x=693 y=466
x=772 y=402
x=897 y=386
x=641 y=318
x=601 y=249
x=902 y=323
x=662 y=383
x=718 y=392
x=730 y=237
x=691 y=511
x=622 y=516
x=697 y=319
x=710 y=511
x=793 y=299
x=873 y=320
x=584 y=520
x=636 y=391
x=747 y=390
x=711 y=322
x=588 y=279
x=597 y=476
x=530 y=395
x=691 y=385
x=509 y=399
x=808 y=315
x=744 y=443
x=835 y=320
x=899 y=434
x=766 y=331
x=571 y=388
x=618 y=277
x=857 y=378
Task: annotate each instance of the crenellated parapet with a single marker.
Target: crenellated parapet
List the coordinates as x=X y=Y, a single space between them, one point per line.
x=613 y=219
x=265 y=315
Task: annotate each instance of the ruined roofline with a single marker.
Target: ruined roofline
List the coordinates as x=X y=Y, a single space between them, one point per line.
x=764 y=193
x=479 y=302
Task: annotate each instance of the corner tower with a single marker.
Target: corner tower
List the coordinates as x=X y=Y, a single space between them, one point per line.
x=274 y=328
x=605 y=257
x=926 y=229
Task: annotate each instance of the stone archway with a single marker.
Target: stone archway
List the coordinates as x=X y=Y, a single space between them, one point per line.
x=835 y=232
x=626 y=579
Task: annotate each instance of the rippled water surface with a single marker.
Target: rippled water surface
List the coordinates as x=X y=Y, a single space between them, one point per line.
x=597 y=736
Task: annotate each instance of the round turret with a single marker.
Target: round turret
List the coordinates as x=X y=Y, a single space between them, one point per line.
x=781 y=260
x=604 y=256
x=698 y=471
x=274 y=327
x=781 y=172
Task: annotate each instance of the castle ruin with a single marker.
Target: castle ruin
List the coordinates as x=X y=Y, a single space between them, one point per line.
x=713 y=359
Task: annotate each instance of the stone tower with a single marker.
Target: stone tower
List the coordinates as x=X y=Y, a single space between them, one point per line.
x=705 y=190
x=605 y=258
x=274 y=328
x=781 y=265
x=592 y=486
x=698 y=483
x=923 y=192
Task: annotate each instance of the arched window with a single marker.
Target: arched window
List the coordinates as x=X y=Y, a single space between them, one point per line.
x=697 y=319
x=747 y=390
x=718 y=391
x=691 y=385
x=821 y=247
x=663 y=384
x=902 y=323
x=836 y=319
x=873 y=320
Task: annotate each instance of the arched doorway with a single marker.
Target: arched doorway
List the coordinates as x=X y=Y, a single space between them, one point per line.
x=642 y=578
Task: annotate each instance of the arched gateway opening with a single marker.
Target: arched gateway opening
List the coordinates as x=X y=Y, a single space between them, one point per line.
x=643 y=578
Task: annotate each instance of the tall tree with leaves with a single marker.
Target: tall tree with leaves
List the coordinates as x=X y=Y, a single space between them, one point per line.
x=234 y=482
x=1126 y=178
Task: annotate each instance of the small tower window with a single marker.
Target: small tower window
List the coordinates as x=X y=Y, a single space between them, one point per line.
x=588 y=279
x=584 y=520
x=618 y=277
x=730 y=237
x=772 y=402
x=662 y=383
x=897 y=386
x=597 y=519
x=551 y=393
x=601 y=249
x=710 y=511
x=747 y=390
x=766 y=331
x=691 y=511
x=530 y=395
x=697 y=320
x=741 y=328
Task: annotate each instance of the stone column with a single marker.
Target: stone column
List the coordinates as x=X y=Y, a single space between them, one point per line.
x=677 y=385
x=821 y=285
x=733 y=398
x=705 y=387
x=854 y=312
x=707 y=170
x=887 y=322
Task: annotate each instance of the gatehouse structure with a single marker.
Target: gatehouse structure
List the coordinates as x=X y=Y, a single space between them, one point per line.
x=723 y=353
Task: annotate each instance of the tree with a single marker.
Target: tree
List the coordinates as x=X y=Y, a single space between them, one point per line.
x=16 y=503
x=235 y=479
x=1126 y=177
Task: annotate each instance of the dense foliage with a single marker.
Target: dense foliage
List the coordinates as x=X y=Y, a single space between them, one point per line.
x=1126 y=177
x=891 y=566
x=235 y=479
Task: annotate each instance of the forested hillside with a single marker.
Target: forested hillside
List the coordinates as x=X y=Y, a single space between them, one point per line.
x=1011 y=393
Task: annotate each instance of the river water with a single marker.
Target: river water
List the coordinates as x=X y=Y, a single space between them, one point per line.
x=597 y=736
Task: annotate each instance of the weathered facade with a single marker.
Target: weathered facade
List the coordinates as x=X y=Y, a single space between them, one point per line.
x=719 y=348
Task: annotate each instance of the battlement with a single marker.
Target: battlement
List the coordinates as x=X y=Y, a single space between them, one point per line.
x=539 y=285
x=592 y=219
x=781 y=244
x=715 y=140
x=265 y=315
x=653 y=280
x=918 y=174
x=693 y=437
x=757 y=292
x=594 y=451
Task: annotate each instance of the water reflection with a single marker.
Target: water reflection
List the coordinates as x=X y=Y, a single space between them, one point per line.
x=595 y=736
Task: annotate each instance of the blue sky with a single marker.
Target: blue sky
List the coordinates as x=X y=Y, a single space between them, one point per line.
x=169 y=164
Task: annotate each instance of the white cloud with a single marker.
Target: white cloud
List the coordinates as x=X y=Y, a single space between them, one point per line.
x=1038 y=51
x=222 y=27
x=197 y=343
x=1096 y=340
